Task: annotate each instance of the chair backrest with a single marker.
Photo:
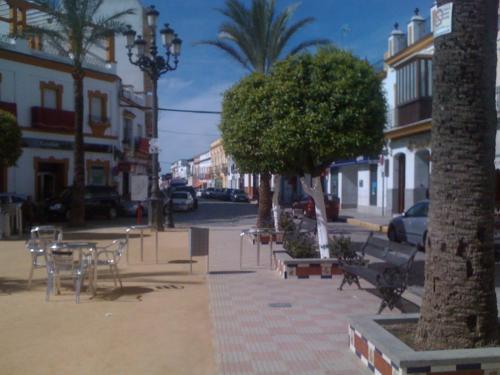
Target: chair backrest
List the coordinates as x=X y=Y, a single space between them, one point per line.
x=47 y=232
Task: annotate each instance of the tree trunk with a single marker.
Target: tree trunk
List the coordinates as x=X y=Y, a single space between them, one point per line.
x=264 y=215
x=316 y=193
x=459 y=306
x=276 y=202
x=77 y=212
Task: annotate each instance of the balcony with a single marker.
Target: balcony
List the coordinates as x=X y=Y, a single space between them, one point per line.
x=52 y=119
x=142 y=145
x=414 y=111
x=9 y=107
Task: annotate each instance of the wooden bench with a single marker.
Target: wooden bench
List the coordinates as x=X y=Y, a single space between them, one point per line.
x=389 y=276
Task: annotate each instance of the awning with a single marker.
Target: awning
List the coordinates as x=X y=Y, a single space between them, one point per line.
x=358 y=161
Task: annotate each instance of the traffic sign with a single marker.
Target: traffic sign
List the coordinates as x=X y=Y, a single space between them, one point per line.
x=442 y=19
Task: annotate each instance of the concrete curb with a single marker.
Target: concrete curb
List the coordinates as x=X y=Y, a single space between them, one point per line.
x=368 y=225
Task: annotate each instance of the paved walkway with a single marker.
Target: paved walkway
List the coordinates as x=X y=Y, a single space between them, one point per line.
x=266 y=325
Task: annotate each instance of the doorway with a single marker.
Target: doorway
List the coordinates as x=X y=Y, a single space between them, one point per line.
x=400 y=179
x=3 y=179
x=373 y=184
x=50 y=178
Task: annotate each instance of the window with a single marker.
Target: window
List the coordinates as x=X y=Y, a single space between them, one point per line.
x=127 y=130
x=97 y=176
x=98 y=103
x=97 y=172
x=51 y=95
x=414 y=81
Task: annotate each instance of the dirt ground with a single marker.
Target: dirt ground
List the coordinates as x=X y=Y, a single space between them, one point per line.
x=158 y=323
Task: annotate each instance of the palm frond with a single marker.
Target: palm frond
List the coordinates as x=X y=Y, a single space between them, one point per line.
x=226 y=47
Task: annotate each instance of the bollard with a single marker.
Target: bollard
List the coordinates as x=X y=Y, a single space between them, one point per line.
x=138 y=214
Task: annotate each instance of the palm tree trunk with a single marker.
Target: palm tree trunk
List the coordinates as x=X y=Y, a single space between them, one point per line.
x=77 y=205
x=265 y=201
x=459 y=306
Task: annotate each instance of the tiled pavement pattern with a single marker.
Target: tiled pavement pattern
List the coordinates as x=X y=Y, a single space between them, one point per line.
x=305 y=334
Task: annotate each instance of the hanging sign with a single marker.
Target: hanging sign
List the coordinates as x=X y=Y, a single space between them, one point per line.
x=138 y=188
x=442 y=19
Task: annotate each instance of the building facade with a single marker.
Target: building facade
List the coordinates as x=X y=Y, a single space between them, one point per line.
x=37 y=87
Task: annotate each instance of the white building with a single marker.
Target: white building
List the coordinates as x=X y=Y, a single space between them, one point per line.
x=36 y=85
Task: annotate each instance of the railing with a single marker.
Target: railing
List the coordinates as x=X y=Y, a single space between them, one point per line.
x=9 y=107
x=390 y=119
x=99 y=120
x=52 y=119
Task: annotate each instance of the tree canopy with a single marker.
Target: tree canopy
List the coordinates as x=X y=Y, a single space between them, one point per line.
x=10 y=139
x=245 y=122
x=324 y=107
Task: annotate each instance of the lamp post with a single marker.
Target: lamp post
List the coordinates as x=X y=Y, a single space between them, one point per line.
x=154 y=65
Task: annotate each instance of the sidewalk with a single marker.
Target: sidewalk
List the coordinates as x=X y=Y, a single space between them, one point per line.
x=263 y=324
x=371 y=221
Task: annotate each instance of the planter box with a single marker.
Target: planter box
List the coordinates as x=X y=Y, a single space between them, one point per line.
x=290 y=268
x=385 y=354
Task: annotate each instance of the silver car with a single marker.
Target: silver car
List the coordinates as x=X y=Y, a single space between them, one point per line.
x=182 y=201
x=411 y=226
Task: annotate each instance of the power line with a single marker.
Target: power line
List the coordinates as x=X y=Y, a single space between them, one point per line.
x=188 y=133
x=172 y=109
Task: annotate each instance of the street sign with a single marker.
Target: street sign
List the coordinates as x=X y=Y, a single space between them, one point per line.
x=442 y=19
x=154 y=146
x=138 y=188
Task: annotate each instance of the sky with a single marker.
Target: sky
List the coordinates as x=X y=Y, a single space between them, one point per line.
x=204 y=72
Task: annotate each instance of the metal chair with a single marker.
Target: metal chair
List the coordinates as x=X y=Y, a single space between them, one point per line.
x=40 y=238
x=110 y=256
x=73 y=258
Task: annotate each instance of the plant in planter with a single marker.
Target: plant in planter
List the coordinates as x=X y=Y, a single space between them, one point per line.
x=341 y=247
x=297 y=244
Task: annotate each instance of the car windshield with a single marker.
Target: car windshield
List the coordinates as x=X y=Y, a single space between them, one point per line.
x=179 y=195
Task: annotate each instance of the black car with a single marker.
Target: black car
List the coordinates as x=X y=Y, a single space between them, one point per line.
x=190 y=190
x=238 y=195
x=98 y=200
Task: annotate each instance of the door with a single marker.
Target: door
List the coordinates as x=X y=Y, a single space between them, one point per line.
x=46 y=185
x=373 y=184
x=401 y=183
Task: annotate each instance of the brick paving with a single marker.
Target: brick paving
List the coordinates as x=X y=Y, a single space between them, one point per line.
x=306 y=333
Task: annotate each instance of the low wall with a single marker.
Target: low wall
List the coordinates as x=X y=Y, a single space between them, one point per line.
x=290 y=268
x=385 y=354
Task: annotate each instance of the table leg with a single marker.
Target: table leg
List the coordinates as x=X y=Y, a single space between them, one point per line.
x=271 y=251
x=241 y=252
x=142 y=246
x=258 y=249
x=128 y=246
x=156 y=247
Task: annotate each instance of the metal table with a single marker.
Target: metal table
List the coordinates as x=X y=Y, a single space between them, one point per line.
x=256 y=235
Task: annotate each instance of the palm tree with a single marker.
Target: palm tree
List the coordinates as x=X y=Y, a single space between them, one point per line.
x=75 y=28
x=256 y=37
x=459 y=307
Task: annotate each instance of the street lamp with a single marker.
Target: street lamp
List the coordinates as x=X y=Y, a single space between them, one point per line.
x=154 y=65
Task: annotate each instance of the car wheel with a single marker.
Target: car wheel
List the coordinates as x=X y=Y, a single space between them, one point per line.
x=424 y=240
x=112 y=213
x=392 y=235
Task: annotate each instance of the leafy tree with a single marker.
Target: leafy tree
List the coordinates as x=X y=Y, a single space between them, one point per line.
x=76 y=27
x=256 y=37
x=324 y=107
x=10 y=139
x=459 y=307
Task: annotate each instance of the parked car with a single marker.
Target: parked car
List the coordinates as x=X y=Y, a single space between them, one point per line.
x=190 y=190
x=226 y=194
x=8 y=198
x=182 y=201
x=209 y=193
x=218 y=194
x=411 y=227
x=307 y=207
x=238 y=195
x=98 y=200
